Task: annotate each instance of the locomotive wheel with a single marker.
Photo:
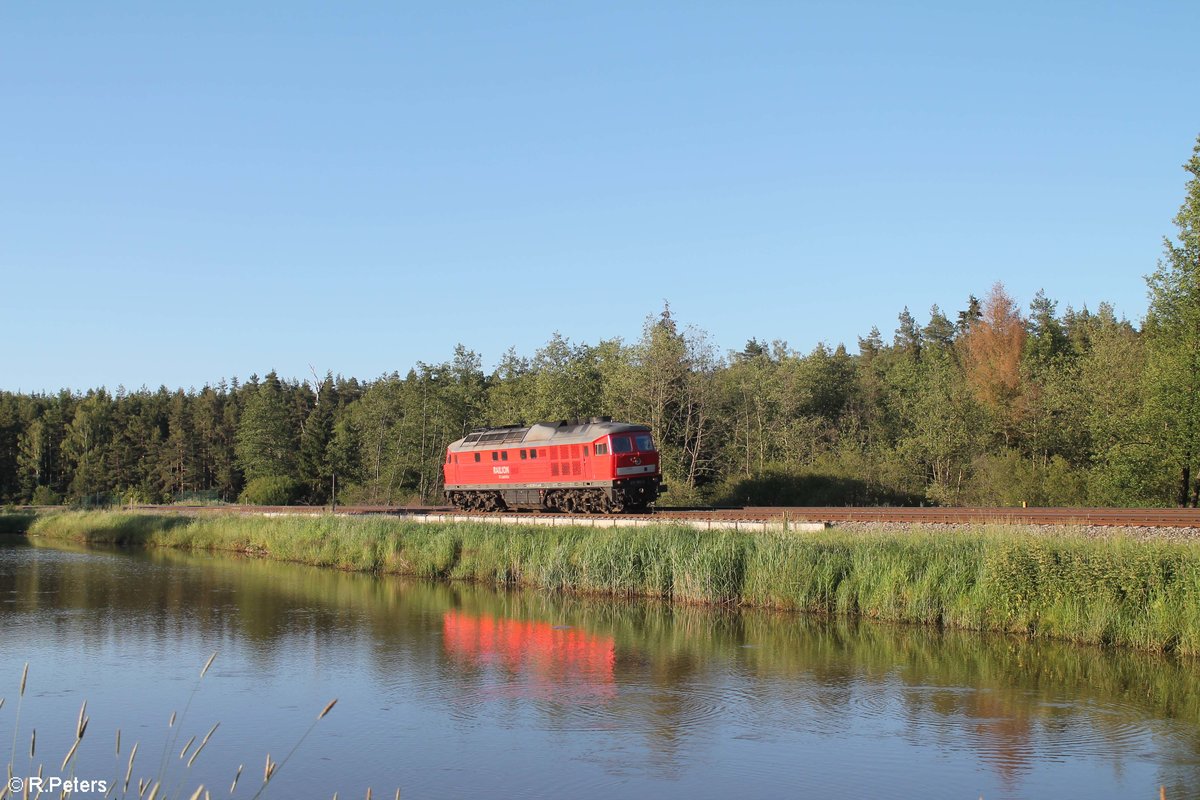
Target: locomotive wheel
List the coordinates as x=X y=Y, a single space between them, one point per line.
x=598 y=503
x=478 y=501
x=592 y=502
x=563 y=501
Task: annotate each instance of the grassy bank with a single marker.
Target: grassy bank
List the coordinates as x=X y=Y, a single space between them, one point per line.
x=16 y=521
x=1137 y=594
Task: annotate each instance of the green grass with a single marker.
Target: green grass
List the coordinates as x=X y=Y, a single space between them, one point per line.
x=16 y=521
x=1144 y=595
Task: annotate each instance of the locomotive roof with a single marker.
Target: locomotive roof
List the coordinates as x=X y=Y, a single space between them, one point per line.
x=548 y=433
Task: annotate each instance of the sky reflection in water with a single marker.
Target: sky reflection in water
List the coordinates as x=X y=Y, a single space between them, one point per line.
x=453 y=691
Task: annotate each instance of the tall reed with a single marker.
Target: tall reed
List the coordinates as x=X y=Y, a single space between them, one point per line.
x=1112 y=591
x=156 y=786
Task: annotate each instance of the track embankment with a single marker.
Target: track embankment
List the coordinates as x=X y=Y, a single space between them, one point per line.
x=1112 y=591
x=1143 y=523
x=1095 y=517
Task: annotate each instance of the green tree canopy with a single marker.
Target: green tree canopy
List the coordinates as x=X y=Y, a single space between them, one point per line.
x=266 y=441
x=1173 y=340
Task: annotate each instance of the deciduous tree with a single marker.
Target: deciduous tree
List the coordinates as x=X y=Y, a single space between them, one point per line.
x=1173 y=338
x=991 y=357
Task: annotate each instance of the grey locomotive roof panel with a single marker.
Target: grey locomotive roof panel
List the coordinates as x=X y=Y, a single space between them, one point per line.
x=542 y=433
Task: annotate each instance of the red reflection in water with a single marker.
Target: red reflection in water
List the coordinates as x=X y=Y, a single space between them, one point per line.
x=548 y=657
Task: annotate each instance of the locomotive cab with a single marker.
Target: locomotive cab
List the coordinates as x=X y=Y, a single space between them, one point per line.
x=633 y=454
x=634 y=468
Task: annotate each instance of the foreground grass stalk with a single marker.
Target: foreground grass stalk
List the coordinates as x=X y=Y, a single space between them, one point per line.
x=146 y=788
x=174 y=739
x=129 y=769
x=271 y=766
x=17 y=722
x=233 y=786
x=203 y=742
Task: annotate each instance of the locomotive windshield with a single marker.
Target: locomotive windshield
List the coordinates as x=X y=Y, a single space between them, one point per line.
x=627 y=444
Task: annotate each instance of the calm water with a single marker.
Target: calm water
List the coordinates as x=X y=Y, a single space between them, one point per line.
x=456 y=691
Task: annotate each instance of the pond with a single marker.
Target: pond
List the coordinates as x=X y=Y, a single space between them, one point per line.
x=448 y=690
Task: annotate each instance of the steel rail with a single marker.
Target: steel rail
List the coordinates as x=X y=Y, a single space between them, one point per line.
x=1100 y=517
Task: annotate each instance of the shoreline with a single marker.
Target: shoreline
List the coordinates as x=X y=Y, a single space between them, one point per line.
x=1113 y=591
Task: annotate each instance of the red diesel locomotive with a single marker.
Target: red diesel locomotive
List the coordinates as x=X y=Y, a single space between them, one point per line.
x=587 y=466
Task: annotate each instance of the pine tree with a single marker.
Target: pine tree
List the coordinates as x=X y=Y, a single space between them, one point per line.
x=266 y=442
x=939 y=333
x=315 y=468
x=10 y=432
x=40 y=460
x=870 y=346
x=86 y=440
x=127 y=453
x=907 y=339
x=970 y=315
x=180 y=470
x=510 y=391
x=1047 y=340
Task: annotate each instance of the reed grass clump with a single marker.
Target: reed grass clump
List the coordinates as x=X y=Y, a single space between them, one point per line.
x=13 y=521
x=171 y=778
x=1112 y=591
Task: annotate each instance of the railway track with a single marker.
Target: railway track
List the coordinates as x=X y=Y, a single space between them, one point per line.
x=1099 y=517
x=1102 y=517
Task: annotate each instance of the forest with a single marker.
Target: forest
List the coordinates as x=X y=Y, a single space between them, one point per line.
x=993 y=404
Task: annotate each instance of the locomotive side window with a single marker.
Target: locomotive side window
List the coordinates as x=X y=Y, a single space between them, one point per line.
x=477 y=456
x=533 y=453
x=644 y=443
x=601 y=449
x=495 y=456
x=504 y=455
x=523 y=455
x=621 y=444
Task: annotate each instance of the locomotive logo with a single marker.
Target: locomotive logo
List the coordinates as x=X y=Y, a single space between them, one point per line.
x=499 y=470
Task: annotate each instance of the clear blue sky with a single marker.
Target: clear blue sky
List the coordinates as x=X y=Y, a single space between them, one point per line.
x=196 y=191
